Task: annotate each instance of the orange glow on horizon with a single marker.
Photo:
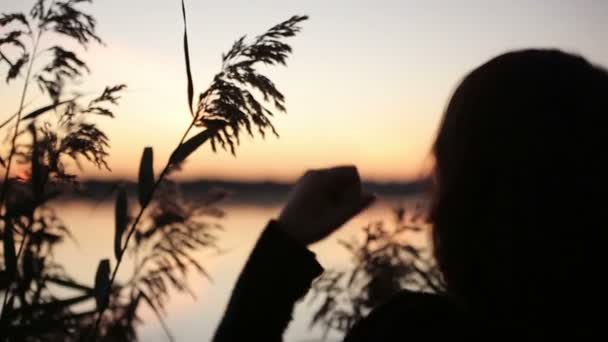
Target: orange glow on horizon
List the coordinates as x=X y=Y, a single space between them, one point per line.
x=366 y=85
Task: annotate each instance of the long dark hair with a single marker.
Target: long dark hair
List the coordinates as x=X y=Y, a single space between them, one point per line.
x=519 y=211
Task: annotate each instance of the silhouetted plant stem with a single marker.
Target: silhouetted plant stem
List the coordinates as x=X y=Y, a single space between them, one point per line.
x=5 y=181
x=19 y=112
x=8 y=292
x=163 y=324
x=133 y=227
x=3 y=56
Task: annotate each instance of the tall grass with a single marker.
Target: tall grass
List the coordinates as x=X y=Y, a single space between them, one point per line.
x=222 y=111
x=163 y=230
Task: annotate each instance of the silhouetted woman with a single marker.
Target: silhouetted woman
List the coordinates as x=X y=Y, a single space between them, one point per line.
x=519 y=217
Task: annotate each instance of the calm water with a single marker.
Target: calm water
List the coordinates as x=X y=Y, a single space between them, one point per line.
x=195 y=319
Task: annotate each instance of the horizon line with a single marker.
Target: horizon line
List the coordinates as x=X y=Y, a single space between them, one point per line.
x=248 y=181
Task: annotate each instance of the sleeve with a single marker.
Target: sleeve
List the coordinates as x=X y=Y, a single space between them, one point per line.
x=279 y=272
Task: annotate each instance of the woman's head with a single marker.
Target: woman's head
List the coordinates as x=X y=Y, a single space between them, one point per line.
x=521 y=178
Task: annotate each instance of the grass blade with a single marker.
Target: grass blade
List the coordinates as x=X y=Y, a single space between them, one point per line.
x=145 y=185
x=120 y=221
x=39 y=177
x=185 y=149
x=44 y=109
x=10 y=256
x=69 y=283
x=102 y=284
x=159 y=315
x=187 y=56
x=8 y=120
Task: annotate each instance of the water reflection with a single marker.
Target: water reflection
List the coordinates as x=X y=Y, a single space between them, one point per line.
x=194 y=319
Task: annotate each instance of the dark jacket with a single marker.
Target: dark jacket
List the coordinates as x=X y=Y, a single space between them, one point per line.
x=280 y=271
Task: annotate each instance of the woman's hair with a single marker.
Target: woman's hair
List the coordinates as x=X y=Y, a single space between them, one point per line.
x=519 y=213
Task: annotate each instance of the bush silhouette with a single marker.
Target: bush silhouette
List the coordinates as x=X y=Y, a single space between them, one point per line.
x=384 y=261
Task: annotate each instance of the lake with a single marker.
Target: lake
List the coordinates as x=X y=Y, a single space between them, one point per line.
x=190 y=319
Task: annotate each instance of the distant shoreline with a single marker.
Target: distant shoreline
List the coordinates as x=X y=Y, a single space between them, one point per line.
x=240 y=191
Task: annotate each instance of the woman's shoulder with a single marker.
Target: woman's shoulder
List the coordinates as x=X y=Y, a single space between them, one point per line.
x=411 y=315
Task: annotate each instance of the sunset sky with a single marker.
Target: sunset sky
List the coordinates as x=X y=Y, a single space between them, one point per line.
x=366 y=85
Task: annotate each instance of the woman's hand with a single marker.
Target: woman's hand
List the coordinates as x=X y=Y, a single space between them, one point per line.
x=321 y=202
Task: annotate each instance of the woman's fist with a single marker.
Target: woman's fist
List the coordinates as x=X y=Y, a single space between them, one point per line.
x=321 y=202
